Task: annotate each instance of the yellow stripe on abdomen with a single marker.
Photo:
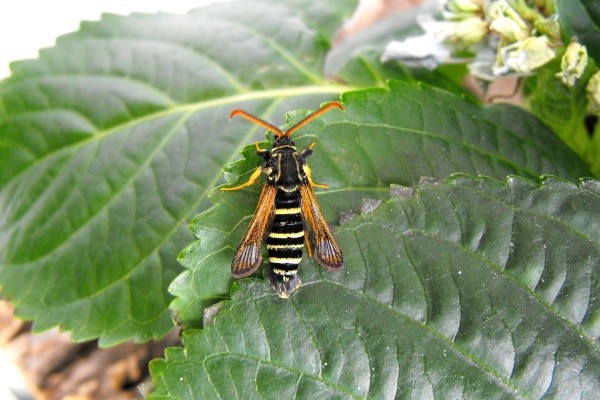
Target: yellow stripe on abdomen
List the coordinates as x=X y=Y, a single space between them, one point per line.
x=287 y=211
x=284 y=260
x=289 y=235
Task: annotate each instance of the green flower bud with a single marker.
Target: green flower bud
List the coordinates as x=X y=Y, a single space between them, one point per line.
x=573 y=64
x=548 y=27
x=505 y=21
x=460 y=9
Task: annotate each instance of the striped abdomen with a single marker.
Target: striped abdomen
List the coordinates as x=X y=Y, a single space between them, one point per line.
x=285 y=243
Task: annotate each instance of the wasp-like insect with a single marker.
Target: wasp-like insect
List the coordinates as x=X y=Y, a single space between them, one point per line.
x=286 y=209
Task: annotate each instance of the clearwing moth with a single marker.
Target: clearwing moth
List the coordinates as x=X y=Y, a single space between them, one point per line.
x=287 y=213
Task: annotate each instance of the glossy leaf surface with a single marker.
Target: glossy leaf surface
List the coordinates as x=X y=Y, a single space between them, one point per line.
x=384 y=136
x=468 y=289
x=111 y=141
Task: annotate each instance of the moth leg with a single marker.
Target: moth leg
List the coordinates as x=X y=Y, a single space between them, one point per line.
x=249 y=182
x=308 y=173
x=264 y=153
x=307 y=151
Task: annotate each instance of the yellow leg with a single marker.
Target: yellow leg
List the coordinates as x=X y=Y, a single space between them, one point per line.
x=258 y=149
x=249 y=182
x=309 y=176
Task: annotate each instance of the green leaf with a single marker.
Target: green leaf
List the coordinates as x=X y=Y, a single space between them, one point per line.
x=581 y=18
x=111 y=141
x=468 y=289
x=384 y=137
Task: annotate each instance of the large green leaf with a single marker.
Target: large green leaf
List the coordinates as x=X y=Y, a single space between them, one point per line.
x=468 y=289
x=385 y=136
x=111 y=141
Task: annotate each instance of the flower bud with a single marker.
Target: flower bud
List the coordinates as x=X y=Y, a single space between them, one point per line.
x=505 y=21
x=467 y=32
x=548 y=27
x=573 y=64
x=593 y=92
x=461 y=9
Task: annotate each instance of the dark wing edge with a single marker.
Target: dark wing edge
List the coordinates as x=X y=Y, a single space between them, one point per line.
x=327 y=251
x=248 y=255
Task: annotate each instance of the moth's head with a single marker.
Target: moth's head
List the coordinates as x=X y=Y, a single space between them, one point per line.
x=283 y=141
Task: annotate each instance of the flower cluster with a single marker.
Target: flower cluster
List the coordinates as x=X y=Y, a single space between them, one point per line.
x=496 y=38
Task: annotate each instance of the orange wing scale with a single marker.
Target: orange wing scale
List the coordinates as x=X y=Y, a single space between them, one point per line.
x=327 y=252
x=248 y=256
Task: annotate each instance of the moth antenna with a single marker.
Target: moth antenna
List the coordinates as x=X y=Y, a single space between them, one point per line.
x=257 y=121
x=321 y=111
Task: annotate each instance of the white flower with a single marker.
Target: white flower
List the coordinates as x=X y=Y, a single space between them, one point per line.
x=573 y=64
x=506 y=22
x=418 y=51
x=524 y=56
x=435 y=47
x=593 y=92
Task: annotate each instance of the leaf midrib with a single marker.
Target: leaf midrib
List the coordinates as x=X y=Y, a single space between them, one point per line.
x=483 y=365
x=502 y=271
x=501 y=382
x=177 y=223
x=314 y=377
x=189 y=108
